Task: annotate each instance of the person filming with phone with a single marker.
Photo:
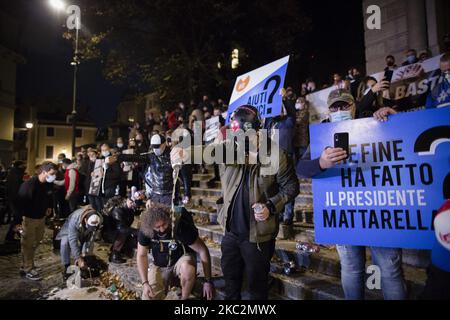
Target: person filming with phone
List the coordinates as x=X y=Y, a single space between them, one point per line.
x=342 y=108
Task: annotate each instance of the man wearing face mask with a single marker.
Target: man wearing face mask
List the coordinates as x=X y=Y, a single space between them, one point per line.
x=77 y=236
x=33 y=201
x=342 y=107
x=390 y=67
x=439 y=97
x=411 y=57
x=120 y=145
x=158 y=174
x=141 y=145
x=352 y=258
x=111 y=176
x=252 y=201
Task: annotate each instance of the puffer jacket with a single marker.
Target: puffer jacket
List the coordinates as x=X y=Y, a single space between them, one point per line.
x=158 y=174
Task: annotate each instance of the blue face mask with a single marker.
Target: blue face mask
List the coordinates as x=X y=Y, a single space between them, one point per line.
x=341 y=116
x=51 y=179
x=411 y=59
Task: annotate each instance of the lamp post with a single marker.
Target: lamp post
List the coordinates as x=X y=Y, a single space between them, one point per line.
x=59 y=5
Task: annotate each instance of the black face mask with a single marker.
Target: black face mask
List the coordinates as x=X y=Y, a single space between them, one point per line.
x=163 y=234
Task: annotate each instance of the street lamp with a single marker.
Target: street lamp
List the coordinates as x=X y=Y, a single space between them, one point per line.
x=59 y=5
x=29 y=125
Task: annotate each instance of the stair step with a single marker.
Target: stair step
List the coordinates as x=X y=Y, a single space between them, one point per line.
x=206 y=192
x=206 y=184
x=303 y=285
x=205 y=201
x=202 y=176
x=325 y=263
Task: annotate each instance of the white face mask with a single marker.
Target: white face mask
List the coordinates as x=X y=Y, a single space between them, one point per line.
x=447 y=76
x=51 y=179
x=341 y=116
x=299 y=106
x=120 y=145
x=105 y=153
x=158 y=152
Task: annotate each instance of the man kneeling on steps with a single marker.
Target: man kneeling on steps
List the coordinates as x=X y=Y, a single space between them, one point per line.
x=174 y=245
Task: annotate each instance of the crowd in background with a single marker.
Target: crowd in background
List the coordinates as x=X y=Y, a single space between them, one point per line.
x=355 y=96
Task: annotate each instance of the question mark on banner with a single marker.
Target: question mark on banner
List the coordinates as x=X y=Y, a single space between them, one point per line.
x=427 y=143
x=277 y=80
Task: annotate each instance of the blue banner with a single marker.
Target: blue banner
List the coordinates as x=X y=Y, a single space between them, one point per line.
x=387 y=193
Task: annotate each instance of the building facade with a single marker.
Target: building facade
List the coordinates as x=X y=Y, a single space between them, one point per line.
x=405 y=24
x=9 y=59
x=47 y=139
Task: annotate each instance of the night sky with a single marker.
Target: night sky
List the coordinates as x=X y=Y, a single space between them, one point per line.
x=335 y=43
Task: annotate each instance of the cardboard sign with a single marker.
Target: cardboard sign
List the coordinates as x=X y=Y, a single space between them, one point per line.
x=261 y=89
x=390 y=188
x=212 y=127
x=96 y=180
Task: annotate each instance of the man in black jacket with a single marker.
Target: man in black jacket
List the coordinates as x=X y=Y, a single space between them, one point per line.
x=33 y=201
x=111 y=175
x=121 y=211
x=158 y=175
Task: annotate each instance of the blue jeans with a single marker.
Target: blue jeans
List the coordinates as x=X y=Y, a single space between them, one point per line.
x=353 y=264
x=288 y=214
x=65 y=251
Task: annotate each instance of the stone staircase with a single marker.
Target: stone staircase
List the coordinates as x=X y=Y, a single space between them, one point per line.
x=317 y=275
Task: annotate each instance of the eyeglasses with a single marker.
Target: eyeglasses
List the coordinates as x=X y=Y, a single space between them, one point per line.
x=341 y=106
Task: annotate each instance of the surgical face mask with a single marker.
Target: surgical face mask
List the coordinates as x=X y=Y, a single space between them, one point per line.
x=120 y=145
x=158 y=152
x=106 y=153
x=411 y=59
x=341 y=116
x=51 y=179
x=299 y=106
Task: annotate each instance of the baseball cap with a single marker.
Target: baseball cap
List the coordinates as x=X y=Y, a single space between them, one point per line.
x=340 y=95
x=94 y=220
x=156 y=141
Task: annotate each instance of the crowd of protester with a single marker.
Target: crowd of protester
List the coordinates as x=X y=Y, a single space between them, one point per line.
x=137 y=171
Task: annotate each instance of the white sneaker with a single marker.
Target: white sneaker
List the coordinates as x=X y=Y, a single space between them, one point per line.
x=33 y=275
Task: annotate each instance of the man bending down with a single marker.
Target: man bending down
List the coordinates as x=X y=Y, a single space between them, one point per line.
x=174 y=258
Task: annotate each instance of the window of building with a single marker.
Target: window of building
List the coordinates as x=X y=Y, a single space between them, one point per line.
x=50 y=132
x=49 y=150
x=79 y=133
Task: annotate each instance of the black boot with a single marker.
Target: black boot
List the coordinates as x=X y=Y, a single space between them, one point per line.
x=116 y=258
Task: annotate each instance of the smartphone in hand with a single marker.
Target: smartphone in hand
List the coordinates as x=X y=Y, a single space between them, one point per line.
x=341 y=140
